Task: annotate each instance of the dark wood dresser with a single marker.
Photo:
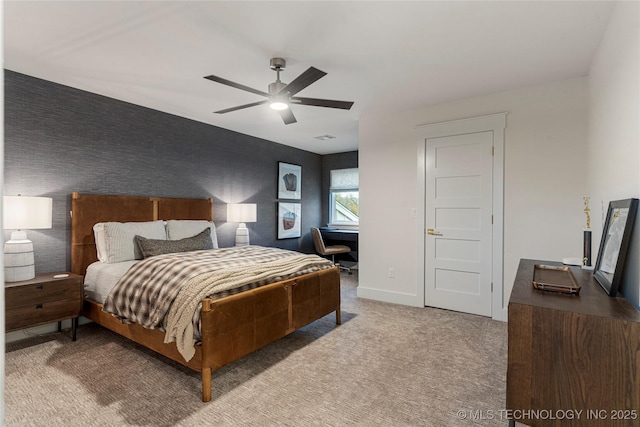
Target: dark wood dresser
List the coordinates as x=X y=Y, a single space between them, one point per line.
x=572 y=360
x=44 y=299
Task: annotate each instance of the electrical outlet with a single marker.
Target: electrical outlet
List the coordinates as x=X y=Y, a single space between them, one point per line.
x=392 y=272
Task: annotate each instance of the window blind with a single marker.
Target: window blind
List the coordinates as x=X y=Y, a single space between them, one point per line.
x=344 y=180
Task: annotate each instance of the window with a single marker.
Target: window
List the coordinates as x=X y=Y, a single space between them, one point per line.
x=344 y=198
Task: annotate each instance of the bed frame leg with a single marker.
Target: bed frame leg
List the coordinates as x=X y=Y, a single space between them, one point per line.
x=338 y=317
x=206 y=384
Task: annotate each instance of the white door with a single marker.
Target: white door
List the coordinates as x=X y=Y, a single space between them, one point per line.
x=458 y=218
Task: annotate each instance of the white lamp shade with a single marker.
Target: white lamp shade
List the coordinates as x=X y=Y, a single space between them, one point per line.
x=23 y=213
x=241 y=212
x=26 y=213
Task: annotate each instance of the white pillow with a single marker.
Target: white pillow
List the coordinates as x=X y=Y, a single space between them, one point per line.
x=183 y=228
x=117 y=243
x=101 y=244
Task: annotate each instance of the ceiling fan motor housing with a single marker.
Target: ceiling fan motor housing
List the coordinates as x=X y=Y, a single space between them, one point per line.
x=278 y=63
x=276 y=87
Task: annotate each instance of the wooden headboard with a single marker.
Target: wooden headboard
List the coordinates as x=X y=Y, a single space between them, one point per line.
x=89 y=209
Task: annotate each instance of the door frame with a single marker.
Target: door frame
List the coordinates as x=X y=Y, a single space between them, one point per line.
x=495 y=123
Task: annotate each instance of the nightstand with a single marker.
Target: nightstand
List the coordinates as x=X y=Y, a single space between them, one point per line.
x=44 y=299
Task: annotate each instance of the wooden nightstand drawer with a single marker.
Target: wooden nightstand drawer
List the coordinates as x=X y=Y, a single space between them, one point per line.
x=38 y=314
x=44 y=299
x=42 y=293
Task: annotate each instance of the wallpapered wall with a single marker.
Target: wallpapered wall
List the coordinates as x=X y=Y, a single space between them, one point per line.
x=59 y=140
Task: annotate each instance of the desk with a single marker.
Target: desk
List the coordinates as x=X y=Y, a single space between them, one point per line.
x=572 y=353
x=336 y=236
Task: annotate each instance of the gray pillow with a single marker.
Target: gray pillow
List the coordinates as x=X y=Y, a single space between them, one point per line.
x=152 y=247
x=180 y=228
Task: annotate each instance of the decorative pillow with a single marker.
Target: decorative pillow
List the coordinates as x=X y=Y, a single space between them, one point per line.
x=119 y=244
x=183 y=228
x=101 y=243
x=152 y=247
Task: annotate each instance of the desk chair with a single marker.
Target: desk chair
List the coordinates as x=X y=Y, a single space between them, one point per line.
x=329 y=250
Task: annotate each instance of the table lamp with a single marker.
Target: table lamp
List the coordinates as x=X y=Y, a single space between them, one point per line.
x=23 y=213
x=242 y=213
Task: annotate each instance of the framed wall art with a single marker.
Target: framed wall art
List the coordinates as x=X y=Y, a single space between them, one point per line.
x=614 y=243
x=289 y=181
x=289 y=220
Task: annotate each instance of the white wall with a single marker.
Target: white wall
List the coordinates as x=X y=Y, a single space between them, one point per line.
x=614 y=129
x=545 y=180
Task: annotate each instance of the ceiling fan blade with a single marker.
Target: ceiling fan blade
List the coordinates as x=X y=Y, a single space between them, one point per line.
x=330 y=103
x=236 y=85
x=240 y=107
x=287 y=116
x=303 y=80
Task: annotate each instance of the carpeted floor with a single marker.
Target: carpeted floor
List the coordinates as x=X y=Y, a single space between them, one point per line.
x=386 y=365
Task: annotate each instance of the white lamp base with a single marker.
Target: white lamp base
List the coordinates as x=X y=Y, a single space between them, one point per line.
x=19 y=263
x=242 y=235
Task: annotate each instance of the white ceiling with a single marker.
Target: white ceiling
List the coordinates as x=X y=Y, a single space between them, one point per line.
x=386 y=56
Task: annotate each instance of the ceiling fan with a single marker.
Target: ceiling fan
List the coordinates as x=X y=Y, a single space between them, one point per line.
x=281 y=95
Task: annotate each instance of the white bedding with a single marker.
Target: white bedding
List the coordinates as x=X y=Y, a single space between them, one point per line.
x=101 y=277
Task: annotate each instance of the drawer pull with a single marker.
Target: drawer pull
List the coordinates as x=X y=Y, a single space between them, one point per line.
x=38 y=306
x=39 y=287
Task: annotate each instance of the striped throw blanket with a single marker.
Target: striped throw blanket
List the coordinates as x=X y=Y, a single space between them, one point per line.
x=148 y=291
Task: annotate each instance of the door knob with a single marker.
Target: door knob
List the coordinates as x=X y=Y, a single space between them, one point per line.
x=433 y=232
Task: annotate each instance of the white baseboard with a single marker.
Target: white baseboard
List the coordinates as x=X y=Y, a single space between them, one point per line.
x=388 y=296
x=49 y=328
x=36 y=330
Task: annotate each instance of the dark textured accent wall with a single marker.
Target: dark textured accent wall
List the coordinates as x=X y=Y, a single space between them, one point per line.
x=329 y=162
x=59 y=140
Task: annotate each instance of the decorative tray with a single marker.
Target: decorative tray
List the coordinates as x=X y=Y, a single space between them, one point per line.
x=555 y=279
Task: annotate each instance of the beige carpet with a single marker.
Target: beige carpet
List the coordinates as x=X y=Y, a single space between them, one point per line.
x=386 y=365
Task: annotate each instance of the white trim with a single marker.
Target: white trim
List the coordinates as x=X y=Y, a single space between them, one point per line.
x=421 y=217
x=495 y=123
x=389 y=296
x=339 y=226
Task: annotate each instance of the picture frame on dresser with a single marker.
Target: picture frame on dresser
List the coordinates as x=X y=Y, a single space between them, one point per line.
x=289 y=219
x=289 y=181
x=616 y=235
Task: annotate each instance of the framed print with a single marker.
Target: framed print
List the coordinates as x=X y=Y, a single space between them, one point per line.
x=289 y=220
x=289 y=181
x=616 y=236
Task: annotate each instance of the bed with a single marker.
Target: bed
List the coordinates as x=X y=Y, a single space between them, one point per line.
x=232 y=326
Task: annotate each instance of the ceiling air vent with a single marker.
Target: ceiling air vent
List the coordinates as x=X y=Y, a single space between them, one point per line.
x=325 y=137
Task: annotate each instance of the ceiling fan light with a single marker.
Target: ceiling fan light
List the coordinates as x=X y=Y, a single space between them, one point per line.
x=279 y=105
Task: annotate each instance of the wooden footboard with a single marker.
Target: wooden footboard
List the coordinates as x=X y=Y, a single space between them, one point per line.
x=237 y=325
